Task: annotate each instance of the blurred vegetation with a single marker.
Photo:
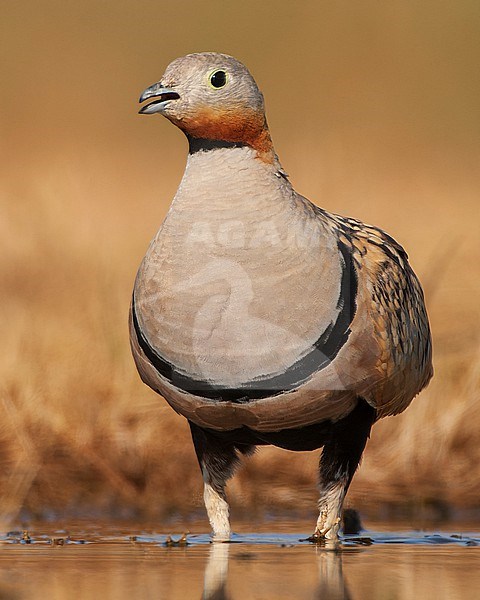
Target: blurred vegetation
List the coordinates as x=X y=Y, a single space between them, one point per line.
x=374 y=110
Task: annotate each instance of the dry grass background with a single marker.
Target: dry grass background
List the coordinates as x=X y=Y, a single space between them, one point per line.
x=374 y=109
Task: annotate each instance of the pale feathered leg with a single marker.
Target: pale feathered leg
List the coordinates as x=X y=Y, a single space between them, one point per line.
x=340 y=458
x=218 y=460
x=330 y=511
x=217 y=507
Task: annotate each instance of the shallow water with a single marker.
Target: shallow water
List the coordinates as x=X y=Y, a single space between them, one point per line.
x=120 y=563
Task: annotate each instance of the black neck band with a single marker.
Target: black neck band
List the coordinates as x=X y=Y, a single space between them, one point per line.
x=203 y=145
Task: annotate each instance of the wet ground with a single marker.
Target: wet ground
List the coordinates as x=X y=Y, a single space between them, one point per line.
x=110 y=562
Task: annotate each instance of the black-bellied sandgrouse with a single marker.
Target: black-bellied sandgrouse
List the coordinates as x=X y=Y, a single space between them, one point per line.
x=260 y=317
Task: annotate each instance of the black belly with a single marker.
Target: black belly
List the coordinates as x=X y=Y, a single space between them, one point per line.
x=309 y=437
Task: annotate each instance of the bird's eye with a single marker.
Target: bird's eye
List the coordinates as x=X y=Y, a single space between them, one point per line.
x=218 y=79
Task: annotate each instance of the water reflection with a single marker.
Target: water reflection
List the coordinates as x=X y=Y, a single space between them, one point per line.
x=115 y=565
x=331 y=582
x=394 y=565
x=216 y=571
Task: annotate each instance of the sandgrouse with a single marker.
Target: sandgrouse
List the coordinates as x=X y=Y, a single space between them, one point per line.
x=260 y=317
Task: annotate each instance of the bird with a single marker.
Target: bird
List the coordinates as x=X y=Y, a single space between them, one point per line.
x=260 y=317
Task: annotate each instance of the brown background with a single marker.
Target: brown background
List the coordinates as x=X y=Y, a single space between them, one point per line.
x=374 y=109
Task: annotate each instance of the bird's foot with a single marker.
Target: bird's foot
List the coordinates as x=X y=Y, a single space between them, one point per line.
x=330 y=506
x=329 y=532
x=316 y=538
x=221 y=536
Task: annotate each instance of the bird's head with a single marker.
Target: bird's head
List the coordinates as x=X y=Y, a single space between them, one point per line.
x=211 y=96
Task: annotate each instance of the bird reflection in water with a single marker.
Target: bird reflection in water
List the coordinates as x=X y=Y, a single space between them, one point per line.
x=331 y=582
x=216 y=571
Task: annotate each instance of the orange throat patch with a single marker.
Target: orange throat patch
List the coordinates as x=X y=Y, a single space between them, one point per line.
x=240 y=126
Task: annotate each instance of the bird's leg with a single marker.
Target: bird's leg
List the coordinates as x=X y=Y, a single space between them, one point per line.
x=340 y=458
x=218 y=460
x=218 y=510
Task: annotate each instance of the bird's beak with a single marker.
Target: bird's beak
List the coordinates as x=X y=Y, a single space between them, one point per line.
x=162 y=96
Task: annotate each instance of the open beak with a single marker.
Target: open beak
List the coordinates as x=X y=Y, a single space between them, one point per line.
x=162 y=96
